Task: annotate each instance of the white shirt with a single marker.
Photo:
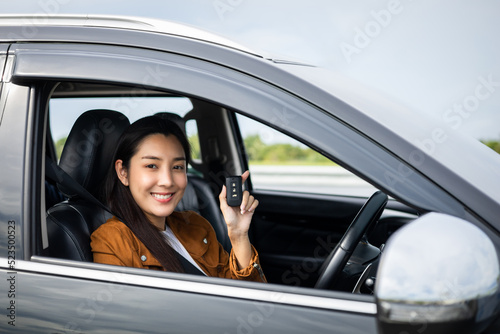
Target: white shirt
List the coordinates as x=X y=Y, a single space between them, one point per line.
x=176 y=245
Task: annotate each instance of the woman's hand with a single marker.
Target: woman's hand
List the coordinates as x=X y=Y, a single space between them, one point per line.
x=238 y=222
x=238 y=218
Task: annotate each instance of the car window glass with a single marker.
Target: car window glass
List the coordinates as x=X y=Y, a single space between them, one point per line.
x=279 y=162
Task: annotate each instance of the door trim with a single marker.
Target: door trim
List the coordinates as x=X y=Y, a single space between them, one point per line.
x=101 y=273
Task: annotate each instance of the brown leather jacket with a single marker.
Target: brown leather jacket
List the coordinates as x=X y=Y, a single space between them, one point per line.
x=114 y=243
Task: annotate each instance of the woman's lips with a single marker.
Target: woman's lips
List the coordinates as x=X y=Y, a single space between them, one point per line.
x=162 y=197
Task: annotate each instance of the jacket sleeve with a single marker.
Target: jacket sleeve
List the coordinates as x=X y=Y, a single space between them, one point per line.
x=111 y=246
x=253 y=272
x=216 y=259
x=210 y=255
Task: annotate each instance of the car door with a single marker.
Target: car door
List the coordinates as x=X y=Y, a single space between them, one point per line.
x=84 y=297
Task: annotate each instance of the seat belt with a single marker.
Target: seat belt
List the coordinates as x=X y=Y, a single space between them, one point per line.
x=189 y=268
x=58 y=175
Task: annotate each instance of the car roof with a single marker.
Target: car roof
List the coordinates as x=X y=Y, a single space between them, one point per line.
x=121 y=22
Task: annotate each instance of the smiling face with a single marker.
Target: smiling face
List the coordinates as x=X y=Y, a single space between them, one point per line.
x=156 y=176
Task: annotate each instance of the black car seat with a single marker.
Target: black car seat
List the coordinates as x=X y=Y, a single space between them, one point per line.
x=86 y=157
x=199 y=196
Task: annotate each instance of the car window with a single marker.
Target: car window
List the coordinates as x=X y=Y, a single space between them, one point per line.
x=279 y=162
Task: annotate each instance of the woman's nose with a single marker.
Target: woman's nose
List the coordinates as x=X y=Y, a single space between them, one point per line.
x=166 y=178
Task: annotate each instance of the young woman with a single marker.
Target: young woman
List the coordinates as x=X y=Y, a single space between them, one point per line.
x=144 y=187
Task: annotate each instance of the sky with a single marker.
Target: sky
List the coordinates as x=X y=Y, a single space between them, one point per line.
x=439 y=57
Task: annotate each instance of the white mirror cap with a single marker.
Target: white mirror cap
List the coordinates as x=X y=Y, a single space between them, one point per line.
x=439 y=261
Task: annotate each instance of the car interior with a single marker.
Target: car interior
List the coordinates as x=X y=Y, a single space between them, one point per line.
x=295 y=229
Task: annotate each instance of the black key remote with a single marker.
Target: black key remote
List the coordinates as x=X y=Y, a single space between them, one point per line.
x=234 y=190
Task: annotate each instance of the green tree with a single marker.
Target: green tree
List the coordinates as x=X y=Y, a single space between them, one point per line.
x=281 y=153
x=254 y=147
x=194 y=142
x=59 y=146
x=493 y=144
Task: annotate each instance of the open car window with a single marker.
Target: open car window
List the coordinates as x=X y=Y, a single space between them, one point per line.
x=277 y=162
x=294 y=230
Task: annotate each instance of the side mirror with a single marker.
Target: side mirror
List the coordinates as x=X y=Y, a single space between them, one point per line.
x=438 y=274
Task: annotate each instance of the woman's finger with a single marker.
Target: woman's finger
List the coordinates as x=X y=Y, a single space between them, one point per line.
x=251 y=204
x=222 y=197
x=245 y=176
x=244 y=201
x=254 y=205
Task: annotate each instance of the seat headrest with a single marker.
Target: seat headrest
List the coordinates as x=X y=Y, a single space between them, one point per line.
x=90 y=146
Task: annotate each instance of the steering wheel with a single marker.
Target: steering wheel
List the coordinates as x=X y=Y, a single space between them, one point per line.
x=336 y=261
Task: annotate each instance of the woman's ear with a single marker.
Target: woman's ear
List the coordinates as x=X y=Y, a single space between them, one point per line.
x=121 y=172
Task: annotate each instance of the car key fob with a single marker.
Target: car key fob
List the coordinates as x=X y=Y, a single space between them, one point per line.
x=234 y=190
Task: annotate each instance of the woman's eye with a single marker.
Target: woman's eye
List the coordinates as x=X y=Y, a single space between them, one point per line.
x=181 y=167
x=151 y=166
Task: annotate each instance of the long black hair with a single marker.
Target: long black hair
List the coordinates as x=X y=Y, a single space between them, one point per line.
x=119 y=197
